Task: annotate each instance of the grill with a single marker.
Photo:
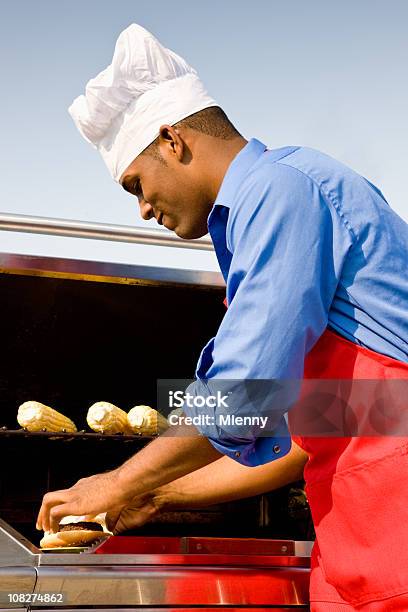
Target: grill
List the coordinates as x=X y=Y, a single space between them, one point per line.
x=76 y=332
x=163 y=573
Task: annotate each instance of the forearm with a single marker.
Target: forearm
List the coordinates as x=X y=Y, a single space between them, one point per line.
x=167 y=458
x=227 y=480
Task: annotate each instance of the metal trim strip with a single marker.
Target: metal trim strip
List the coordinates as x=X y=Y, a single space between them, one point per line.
x=105 y=272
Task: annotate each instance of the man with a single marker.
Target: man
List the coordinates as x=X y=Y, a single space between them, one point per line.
x=315 y=264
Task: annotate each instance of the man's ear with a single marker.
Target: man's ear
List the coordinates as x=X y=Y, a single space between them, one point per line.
x=170 y=142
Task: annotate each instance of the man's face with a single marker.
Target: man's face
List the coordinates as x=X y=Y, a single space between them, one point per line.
x=169 y=190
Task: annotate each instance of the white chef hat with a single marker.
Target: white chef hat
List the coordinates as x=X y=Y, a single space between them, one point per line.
x=145 y=86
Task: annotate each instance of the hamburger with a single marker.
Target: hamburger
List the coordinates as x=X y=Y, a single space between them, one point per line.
x=76 y=531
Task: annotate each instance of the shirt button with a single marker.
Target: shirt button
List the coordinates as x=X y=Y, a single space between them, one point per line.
x=237 y=454
x=276 y=449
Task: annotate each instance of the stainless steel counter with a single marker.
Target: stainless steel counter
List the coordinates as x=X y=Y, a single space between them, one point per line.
x=159 y=579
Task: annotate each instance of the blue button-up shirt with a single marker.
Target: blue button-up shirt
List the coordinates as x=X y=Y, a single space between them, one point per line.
x=303 y=242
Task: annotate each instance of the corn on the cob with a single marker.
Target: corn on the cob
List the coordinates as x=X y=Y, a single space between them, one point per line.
x=34 y=416
x=104 y=417
x=147 y=421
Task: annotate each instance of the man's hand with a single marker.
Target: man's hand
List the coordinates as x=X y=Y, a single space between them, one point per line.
x=140 y=511
x=91 y=495
x=176 y=452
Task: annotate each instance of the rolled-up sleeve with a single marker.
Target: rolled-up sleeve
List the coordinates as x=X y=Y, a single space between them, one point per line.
x=287 y=245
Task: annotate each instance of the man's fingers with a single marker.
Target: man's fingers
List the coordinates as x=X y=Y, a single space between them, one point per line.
x=49 y=501
x=88 y=496
x=58 y=512
x=45 y=505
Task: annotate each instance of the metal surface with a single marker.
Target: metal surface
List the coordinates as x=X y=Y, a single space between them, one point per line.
x=16 y=579
x=79 y=269
x=303 y=548
x=175 y=572
x=175 y=585
x=99 y=231
x=187 y=560
x=200 y=609
x=185 y=551
x=15 y=549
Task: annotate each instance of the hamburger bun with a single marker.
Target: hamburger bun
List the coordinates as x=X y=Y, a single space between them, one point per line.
x=76 y=531
x=77 y=537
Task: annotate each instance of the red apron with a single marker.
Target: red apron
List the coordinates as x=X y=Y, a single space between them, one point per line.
x=358 y=493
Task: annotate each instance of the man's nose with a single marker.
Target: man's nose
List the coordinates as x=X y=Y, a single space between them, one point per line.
x=146 y=211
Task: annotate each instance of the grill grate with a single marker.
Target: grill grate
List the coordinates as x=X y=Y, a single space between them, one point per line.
x=79 y=435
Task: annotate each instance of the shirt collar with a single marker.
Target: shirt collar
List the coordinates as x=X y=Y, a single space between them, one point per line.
x=237 y=170
x=218 y=217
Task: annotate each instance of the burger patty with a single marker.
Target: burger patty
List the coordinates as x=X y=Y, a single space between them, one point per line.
x=81 y=526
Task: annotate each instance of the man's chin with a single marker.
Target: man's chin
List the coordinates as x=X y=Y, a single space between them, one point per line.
x=189 y=234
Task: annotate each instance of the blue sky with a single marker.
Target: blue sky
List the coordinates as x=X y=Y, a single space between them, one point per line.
x=331 y=75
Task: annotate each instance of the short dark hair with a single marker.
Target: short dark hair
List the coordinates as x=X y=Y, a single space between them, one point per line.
x=211 y=121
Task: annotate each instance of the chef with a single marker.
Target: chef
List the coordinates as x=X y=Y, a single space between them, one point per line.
x=315 y=265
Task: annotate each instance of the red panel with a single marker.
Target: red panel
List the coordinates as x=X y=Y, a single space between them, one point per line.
x=137 y=545
x=205 y=552
x=240 y=546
